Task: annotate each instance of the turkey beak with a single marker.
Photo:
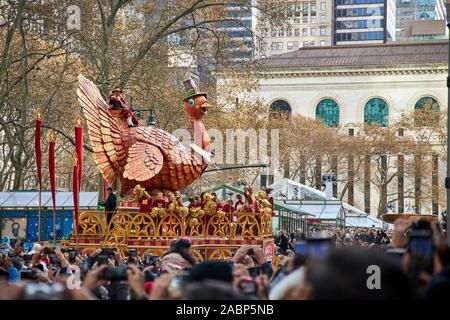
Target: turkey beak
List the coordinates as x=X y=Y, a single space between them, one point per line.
x=204 y=107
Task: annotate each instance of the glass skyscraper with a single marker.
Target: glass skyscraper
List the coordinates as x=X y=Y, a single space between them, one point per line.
x=363 y=21
x=414 y=10
x=239 y=30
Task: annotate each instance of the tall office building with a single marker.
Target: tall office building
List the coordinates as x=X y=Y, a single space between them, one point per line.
x=310 y=25
x=364 y=21
x=239 y=30
x=417 y=10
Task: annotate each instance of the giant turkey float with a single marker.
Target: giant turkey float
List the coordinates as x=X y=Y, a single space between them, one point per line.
x=152 y=166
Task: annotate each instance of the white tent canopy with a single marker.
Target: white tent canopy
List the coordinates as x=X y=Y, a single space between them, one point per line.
x=363 y=222
x=314 y=201
x=296 y=191
x=324 y=210
x=30 y=200
x=293 y=190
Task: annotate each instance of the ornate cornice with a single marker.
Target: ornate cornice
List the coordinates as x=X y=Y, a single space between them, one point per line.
x=363 y=71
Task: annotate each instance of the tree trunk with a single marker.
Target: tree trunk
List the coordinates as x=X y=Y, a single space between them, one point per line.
x=367 y=184
x=417 y=182
x=318 y=173
x=351 y=181
x=18 y=177
x=401 y=183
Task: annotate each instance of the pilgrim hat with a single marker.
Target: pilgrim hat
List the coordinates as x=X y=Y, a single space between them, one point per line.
x=191 y=89
x=116 y=90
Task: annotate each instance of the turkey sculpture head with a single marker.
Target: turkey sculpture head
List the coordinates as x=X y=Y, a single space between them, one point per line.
x=147 y=156
x=196 y=107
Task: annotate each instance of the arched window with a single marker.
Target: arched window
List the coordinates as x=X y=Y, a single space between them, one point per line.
x=328 y=111
x=427 y=103
x=426 y=111
x=376 y=111
x=279 y=108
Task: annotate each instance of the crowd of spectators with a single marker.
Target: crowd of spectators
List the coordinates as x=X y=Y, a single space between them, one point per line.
x=366 y=237
x=414 y=261
x=361 y=236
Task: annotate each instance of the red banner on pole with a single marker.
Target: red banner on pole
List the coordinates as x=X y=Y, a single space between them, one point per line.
x=51 y=165
x=38 y=156
x=37 y=148
x=75 y=190
x=51 y=168
x=79 y=147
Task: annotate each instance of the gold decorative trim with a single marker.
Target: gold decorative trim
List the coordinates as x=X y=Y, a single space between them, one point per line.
x=51 y=135
x=78 y=121
x=38 y=114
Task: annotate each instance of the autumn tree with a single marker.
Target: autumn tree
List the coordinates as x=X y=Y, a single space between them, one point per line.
x=121 y=42
x=428 y=127
x=27 y=59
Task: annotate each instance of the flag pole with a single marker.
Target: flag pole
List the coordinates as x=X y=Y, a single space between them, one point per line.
x=77 y=169
x=54 y=226
x=75 y=191
x=38 y=157
x=39 y=216
x=51 y=166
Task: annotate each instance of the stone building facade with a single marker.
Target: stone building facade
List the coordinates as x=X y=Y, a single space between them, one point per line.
x=347 y=86
x=310 y=25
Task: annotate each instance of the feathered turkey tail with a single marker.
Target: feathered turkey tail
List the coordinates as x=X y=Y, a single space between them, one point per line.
x=101 y=128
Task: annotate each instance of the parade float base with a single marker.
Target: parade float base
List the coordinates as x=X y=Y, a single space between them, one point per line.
x=203 y=249
x=215 y=236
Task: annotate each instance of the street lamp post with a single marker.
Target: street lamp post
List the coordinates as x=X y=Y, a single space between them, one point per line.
x=151 y=122
x=151 y=118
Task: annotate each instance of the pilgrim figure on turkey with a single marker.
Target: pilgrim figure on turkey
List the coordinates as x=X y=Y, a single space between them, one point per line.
x=117 y=102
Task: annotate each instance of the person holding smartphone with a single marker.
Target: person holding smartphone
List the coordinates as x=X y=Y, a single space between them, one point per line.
x=252 y=257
